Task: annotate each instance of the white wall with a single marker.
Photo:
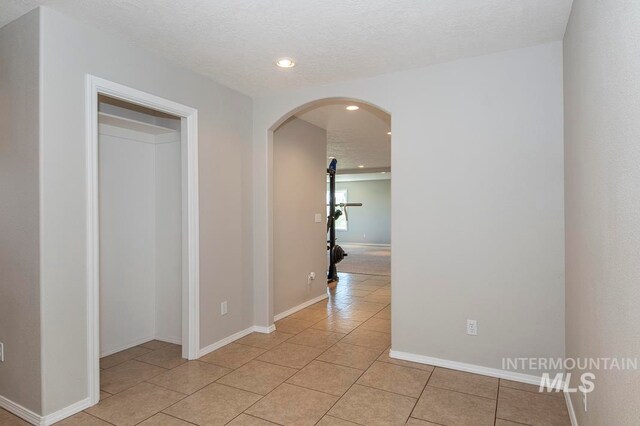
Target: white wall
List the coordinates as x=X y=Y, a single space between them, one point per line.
x=477 y=214
x=371 y=223
x=20 y=375
x=168 y=259
x=602 y=158
x=140 y=238
x=127 y=239
x=299 y=244
x=70 y=51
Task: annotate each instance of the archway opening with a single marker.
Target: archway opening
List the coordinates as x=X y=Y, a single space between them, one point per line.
x=339 y=150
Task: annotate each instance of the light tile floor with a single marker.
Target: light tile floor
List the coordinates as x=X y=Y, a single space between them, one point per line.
x=325 y=365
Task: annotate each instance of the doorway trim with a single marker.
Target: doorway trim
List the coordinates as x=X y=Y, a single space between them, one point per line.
x=95 y=86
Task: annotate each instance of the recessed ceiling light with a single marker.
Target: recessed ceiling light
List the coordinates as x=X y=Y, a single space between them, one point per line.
x=360 y=166
x=383 y=172
x=389 y=133
x=331 y=158
x=353 y=107
x=285 y=63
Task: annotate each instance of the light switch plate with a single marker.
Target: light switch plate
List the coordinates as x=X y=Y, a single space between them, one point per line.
x=318 y=218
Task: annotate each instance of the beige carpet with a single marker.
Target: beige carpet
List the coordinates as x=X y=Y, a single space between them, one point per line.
x=371 y=260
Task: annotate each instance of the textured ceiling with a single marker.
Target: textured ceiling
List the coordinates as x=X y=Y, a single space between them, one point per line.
x=237 y=41
x=354 y=137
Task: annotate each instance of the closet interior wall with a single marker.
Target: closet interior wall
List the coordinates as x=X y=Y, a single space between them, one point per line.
x=140 y=226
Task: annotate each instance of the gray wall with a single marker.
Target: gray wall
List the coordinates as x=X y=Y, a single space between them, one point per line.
x=478 y=202
x=371 y=223
x=299 y=244
x=602 y=163
x=70 y=51
x=19 y=212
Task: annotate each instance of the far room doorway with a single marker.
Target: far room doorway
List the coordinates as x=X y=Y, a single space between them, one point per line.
x=364 y=233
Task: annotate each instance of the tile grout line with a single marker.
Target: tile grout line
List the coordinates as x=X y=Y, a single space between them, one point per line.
x=343 y=395
x=512 y=421
x=553 y=394
x=161 y=411
x=421 y=393
x=465 y=393
x=495 y=411
x=174 y=417
x=96 y=417
x=386 y=390
x=255 y=417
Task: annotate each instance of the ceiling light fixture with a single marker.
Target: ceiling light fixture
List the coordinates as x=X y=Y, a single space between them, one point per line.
x=383 y=173
x=389 y=133
x=360 y=166
x=285 y=63
x=353 y=107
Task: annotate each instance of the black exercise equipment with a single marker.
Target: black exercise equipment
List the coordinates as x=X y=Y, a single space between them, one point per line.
x=336 y=253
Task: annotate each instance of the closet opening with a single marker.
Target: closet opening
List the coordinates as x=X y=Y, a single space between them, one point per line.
x=140 y=210
x=142 y=246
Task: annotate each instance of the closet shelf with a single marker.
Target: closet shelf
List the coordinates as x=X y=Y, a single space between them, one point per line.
x=135 y=125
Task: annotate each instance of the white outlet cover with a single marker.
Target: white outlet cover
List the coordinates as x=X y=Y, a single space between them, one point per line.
x=472 y=327
x=223 y=308
x=318 y=218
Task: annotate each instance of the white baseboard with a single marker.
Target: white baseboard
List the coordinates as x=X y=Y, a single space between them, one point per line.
x=20 y=411
x=300 y=307
x=572 y=413
x=38 y=420
x=168 y=339
x=470 y=368
x=174 y=340
x=223 y=342
x=230 y=339
x=131 y=344
x=66 y=412
x=265 y=330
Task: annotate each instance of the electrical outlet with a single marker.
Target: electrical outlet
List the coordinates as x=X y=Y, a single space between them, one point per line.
x=311 y=277
x=223 y=308
x=318 y=218
x=472 y=327
x=1 y=352
x=584 y=399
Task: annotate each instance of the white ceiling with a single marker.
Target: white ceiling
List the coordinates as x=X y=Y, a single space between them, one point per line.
x=354 y=137
x=237 y=41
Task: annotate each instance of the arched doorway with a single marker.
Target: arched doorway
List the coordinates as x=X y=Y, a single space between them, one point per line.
x=358 y=135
